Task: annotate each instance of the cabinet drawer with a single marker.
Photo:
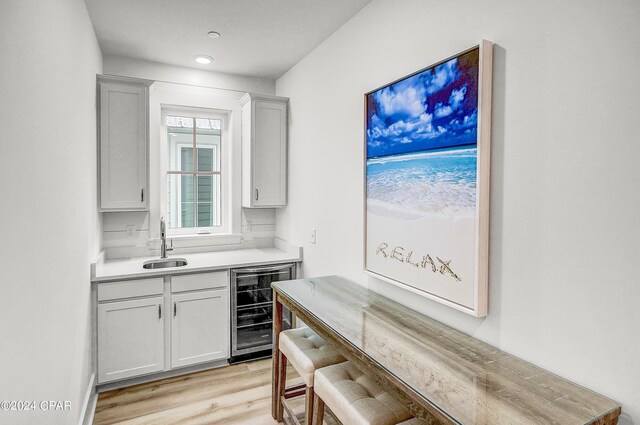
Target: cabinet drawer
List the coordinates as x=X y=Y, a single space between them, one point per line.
x=195 y=282
x=130 y=289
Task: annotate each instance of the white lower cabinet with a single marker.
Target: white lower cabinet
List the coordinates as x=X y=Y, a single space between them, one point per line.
x=130 y=338
x=199 y=330
x=134 y=331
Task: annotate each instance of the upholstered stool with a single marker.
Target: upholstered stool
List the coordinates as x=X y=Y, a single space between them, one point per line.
x=355 y=399
x=306 y=352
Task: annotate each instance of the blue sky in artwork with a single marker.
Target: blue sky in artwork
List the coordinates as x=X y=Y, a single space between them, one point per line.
x=433 y=109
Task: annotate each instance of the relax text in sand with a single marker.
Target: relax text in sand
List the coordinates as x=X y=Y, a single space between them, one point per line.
x=398 y=254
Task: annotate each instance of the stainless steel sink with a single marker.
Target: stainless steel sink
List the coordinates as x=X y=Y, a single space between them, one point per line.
x=164 y=263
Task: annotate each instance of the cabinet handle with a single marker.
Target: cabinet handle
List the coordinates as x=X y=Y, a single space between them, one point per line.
x=159 y=311
x=257 y=194
x=142 y=195
x=175 y=309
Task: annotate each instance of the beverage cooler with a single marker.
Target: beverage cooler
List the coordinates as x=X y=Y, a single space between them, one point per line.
x=252 y=310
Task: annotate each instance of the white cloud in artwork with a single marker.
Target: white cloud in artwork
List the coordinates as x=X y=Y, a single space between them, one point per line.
x=400 y=128
x=470 y=120
x=426 y=118
x=395 y=129
x=376 y=128
x=455 y=100
x=408 y=131
x=442 y=76
x=442 y=110
x=457 y=97
x=374 y=133
x=376 y=121
x=429 y=132
x=404 y=98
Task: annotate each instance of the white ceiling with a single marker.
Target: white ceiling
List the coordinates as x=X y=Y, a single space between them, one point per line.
x=262 y=38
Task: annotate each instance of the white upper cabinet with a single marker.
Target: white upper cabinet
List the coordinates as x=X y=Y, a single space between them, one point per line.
x=264 y=151
x=124 y=140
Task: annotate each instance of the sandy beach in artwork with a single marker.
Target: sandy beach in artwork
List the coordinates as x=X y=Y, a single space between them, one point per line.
x=421 y=221
x=398 y=248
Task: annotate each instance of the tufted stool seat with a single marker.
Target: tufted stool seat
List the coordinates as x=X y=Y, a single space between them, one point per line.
x=306 y=351
x=355 y=399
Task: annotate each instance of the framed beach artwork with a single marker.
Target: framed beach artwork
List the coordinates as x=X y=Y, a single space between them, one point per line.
x=427 y=180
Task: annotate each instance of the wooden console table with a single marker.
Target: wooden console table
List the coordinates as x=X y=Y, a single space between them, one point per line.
x=441 y=374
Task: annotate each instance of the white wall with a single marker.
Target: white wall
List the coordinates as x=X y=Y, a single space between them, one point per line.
x=48 y=220
x=564 y=287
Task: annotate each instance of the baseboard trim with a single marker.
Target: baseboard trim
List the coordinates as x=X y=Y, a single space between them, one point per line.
x=89 y=404
x=108 y=386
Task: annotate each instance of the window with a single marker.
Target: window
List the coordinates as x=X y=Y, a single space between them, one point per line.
x=194 y=173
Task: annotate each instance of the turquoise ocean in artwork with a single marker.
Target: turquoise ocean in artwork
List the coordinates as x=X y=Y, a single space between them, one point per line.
x=440 y=182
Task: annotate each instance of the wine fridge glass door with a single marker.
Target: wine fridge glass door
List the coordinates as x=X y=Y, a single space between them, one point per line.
x=252 y=307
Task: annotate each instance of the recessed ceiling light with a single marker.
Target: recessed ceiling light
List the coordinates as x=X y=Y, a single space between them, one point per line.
x=214 y=34
x=203 y=59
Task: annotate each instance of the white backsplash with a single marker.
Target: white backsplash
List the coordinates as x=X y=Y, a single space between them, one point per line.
x=126 y=234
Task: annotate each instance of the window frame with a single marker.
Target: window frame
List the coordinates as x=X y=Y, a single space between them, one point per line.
x=224 y=174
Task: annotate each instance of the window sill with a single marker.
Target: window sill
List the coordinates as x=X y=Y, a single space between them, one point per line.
x=194 y=241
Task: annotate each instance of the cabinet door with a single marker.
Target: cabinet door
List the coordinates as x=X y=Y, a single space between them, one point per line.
x=123 y=147
x=269 y=154
x=200 y=327
x=130 y=338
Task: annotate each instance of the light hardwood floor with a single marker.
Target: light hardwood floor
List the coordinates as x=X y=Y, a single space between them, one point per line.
x=232 y=395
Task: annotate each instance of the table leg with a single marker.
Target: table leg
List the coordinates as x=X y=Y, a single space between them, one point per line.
x=282 y=381
x=276 y=409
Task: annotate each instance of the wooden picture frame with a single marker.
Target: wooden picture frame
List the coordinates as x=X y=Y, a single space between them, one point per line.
x=427 y=176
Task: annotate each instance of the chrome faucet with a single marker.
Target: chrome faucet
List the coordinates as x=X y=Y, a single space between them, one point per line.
x=163 y=239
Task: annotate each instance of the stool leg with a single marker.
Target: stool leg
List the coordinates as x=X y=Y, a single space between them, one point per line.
x=282 y=380
x=309 y=402
x=318 y=410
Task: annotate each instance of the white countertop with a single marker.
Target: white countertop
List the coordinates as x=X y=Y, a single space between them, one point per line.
x=112 y=270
